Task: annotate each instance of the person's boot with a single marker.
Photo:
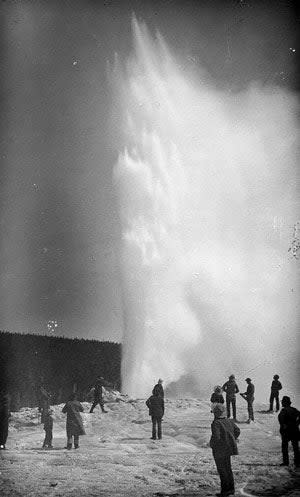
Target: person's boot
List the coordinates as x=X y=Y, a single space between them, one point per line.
x=76 y=446
x=69 y=446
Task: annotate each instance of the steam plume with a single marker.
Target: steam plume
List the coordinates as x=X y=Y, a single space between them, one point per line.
x=207 y=188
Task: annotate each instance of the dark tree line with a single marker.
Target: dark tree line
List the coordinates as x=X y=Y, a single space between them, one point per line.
x=61 y=365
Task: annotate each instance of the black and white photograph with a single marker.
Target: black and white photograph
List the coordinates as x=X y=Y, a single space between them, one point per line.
x=149 y=248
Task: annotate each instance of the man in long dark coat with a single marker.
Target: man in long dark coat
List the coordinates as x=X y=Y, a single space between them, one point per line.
x=156 y=406
x=289 y=420
x=74 y=423
x=275 y=387
x=231 y=388
x=223 y=443
x=249 y=397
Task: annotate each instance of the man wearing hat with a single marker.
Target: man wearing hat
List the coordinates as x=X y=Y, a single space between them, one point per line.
x=158 y=389
x=249 y=397
x=275 y=387
x=230 y=388
x=223 y=443
x=289 y=420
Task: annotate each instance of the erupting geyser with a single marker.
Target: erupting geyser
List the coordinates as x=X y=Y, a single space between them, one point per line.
x=203 y=178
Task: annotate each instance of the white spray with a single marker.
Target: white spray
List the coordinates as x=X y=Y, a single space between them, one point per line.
x=207 y=189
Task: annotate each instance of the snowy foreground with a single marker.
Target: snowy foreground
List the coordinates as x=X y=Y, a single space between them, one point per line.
x=117 y=458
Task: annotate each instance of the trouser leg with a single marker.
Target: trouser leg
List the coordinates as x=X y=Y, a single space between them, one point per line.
x=153 y=427
x=226 y=476
x=277 y=402
x=295 y=445
x=159 y=428
x=48 y=438
x=228 y=407
x=76 y=441
x=250 y=410
x=271 y=401
x=94 y=405
x=233 y=408
x=101 y=402
x=285 y=450
x=3 y=428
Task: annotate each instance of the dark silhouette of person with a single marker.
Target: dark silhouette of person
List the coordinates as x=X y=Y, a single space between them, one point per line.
x=48 y=427
x=44 y=399
x=74 y=425
x=98 y=393
x=249 y=397
x=231 y=388
x=216 y=396
x=156 y=407
x=289 y=420
x=4 y=416
x=275 y=387
x=224 y=433
x=158 y=388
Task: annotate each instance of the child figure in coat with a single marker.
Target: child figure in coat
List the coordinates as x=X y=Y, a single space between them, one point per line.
x=48 y=427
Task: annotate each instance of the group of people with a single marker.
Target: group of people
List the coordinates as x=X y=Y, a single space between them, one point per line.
x=73 y=408
x=225 y=432
x=231 y=389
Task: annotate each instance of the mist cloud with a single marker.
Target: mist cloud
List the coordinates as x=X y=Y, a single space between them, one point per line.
x=208 y=186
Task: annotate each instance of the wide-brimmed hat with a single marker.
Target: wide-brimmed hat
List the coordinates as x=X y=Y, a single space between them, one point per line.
x=248 y=379
x=232 y=377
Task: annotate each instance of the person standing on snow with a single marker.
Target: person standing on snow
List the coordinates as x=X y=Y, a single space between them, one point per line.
x=48 y=427
x=156 y=407
x=289 y=420
x=231 y=388
x=249 y=397
x=224 y=433
x=216 y=396
x=275 y=387
x=74 y=425
x=4 y=416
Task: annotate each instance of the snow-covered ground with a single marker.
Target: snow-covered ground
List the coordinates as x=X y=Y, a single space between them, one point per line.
x=117 y=458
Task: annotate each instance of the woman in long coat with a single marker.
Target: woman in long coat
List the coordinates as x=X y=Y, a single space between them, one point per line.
x=74 y=423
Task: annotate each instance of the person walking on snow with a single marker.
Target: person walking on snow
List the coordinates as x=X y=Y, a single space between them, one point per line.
x=249 y=397
x=156 y=407
x=98 y=393
x=231 y=388
x=223 y=443
x=275 y=387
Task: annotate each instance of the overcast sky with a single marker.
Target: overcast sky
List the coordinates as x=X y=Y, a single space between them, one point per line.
x=60 y=230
